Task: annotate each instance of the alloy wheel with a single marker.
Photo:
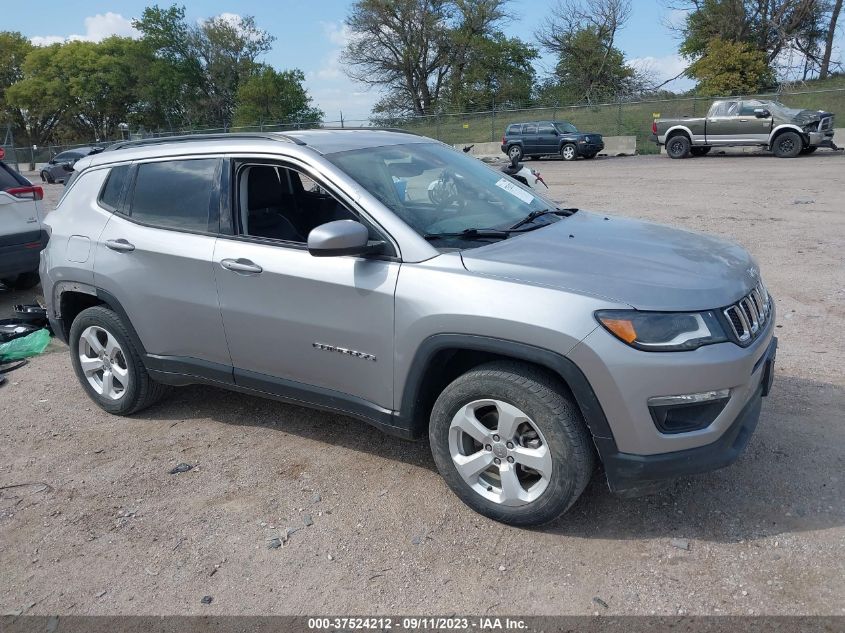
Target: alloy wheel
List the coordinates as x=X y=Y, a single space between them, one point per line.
x=103 y=363
x=499 y=452
x=569 y=153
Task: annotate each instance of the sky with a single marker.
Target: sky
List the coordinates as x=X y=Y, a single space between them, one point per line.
x=310 y=36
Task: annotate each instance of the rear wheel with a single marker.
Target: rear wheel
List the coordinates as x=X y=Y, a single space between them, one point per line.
x=24 y=281
x=569 y=152
x=511 y=444
x=678 y=146
x=515 y=152
x=108 y=365
x=788 y=145
x=700 y=151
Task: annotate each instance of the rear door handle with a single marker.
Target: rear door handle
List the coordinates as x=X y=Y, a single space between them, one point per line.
x=241 y=266
x=121 y=246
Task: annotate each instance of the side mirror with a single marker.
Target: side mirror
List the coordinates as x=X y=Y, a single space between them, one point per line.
x=52 y=161
x=762 y=113
x=341 y=237
x=67 y=166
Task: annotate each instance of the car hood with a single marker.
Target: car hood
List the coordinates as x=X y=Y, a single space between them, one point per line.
x=645 y=265
x=804 y=117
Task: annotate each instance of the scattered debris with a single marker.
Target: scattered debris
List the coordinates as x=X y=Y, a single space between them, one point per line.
x=680 y=543
x=330 y=557
x=206 y=599
x=307 y=520
x=101 y=594
x=316 y=498
x=601 y=602
x=804 y=201
x=417 y=539
x=502 y=568
x=180 y=468
x=274 y=543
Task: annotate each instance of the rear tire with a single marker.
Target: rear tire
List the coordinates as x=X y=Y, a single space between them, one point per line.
x=113 y=376
x=516 y=414
x=700 y=151
x=569 y=152
x=515 y=152
x=788 y=145
x=24 y=281
x=678 y=146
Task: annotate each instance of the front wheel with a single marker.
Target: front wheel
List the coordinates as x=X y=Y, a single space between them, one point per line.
x=569 y=152
x=515 y=153
x=108 y=365
x=510 y=444
x=788 y=145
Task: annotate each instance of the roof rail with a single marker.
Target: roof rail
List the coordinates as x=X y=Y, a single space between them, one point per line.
x=160 y=140
x=366 y=128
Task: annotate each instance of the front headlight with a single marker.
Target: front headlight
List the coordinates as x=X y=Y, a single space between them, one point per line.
x=663 y=331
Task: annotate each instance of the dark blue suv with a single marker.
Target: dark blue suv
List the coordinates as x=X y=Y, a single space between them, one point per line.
x=545 y=138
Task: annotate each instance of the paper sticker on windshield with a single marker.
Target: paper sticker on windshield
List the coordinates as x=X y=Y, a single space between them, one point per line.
x=514 y=190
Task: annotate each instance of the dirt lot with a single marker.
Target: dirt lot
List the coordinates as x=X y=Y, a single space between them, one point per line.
x=98 y=526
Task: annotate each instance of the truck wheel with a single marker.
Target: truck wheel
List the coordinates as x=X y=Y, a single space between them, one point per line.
x=809 y=150
x=511 y=444
x=678 y=146
x=108 y=365
x=700 y=151
x=515 y=152
x=569 y=152
x=788 y=145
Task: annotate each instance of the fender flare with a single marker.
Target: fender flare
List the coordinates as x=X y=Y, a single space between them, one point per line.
x=675 y=128
x=559 y=364
x=785 y=126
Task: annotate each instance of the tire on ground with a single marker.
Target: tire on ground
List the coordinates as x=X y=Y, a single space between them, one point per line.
x=678 y=146
x=142 y=391
x=546 y=402
x=515 y=151
x=569 y=152
x=787 y=144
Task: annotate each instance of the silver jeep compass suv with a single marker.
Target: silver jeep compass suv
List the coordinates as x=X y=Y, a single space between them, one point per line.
x=388 y=277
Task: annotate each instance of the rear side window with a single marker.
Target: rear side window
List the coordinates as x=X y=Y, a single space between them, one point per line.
x=10 y=179
x=175 y=194
x=531 y=128
x=110 y=195
x=514 y=129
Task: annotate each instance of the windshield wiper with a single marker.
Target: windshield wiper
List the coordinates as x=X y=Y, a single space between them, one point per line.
x=471 y=234
x=528 y=219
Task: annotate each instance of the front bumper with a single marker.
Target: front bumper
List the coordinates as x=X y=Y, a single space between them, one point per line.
x=821 y=139
x=19 y=253
x=631 y=474
x=589 y=147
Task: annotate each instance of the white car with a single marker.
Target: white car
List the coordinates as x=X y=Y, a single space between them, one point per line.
x=22 y=235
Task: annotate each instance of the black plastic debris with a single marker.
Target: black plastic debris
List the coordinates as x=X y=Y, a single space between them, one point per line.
x=10 y=329
x=180 y=468
x=33 y=314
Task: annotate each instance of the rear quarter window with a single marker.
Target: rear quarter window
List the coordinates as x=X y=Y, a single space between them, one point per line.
x=113 y=187
x=174 y=194
x=514 y=129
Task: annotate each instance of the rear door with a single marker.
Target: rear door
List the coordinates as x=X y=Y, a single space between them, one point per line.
x=154 y=256
x=547 y=138
x=530 y=140
x=723 y=124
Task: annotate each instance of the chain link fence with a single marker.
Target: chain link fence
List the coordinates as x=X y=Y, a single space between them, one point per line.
x=622 y=118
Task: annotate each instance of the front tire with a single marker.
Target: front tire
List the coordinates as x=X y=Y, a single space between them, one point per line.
x=569 y=152
x=678 y=146
x=108 y=365
x=511 y=444
x=788 y=145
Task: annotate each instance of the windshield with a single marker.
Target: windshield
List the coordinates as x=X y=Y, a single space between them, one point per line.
x=436 y=190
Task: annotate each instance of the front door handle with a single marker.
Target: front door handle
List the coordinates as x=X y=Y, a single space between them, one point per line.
x=743 y=120
x=241 y=266
x=121 y=246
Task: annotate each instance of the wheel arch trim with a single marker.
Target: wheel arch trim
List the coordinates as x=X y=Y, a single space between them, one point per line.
x=410 y=402
x=782 y=128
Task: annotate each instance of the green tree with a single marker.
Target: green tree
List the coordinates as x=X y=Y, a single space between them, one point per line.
x=271 y=97
x=212 y=57
x=14 y=47
x=731 y=68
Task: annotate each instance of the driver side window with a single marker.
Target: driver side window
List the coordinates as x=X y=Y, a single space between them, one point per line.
x=274 y=202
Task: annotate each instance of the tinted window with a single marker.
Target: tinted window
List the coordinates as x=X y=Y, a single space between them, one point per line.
x=10 y=179
x=547 y=129
x=110 y=195
x=531 y=128
x=514 y=129
x=174 y=194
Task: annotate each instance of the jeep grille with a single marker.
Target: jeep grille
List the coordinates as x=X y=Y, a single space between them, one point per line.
x=826 y=124
x=749 y=315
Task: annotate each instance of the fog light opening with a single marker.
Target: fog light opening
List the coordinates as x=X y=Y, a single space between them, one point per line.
x=687 y=412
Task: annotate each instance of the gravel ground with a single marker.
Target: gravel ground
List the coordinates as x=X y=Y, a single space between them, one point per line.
x=96 y=525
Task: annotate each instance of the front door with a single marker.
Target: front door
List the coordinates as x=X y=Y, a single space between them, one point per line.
x=728 y=124
x=294 y=321
x=530 y=140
